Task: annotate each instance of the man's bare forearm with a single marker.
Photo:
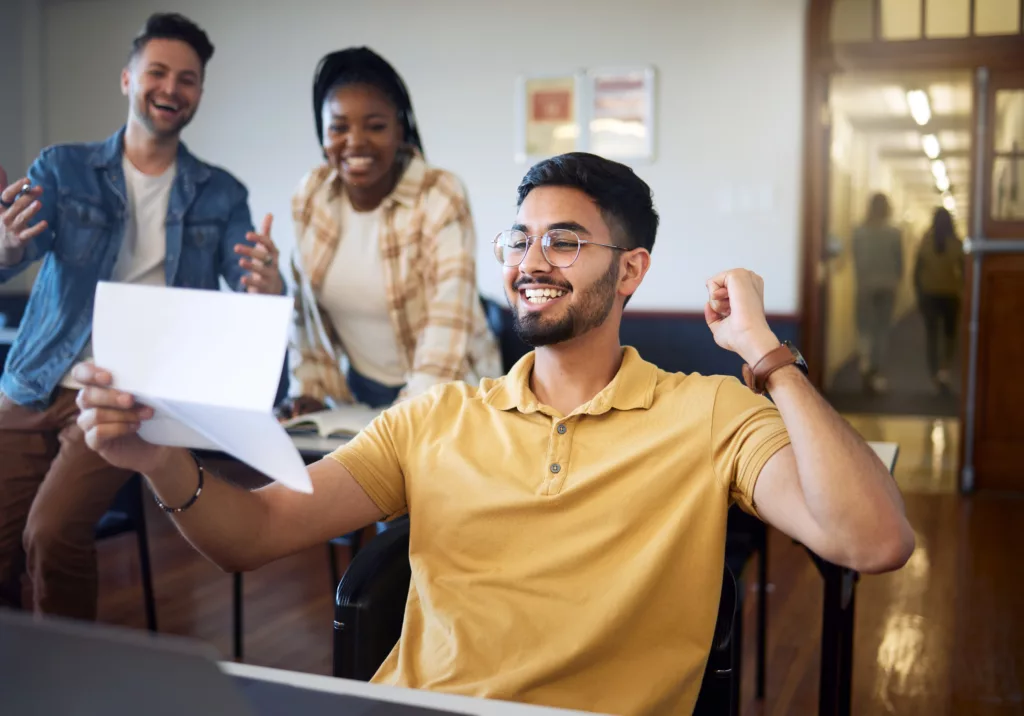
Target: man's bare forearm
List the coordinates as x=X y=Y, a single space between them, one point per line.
x=848 y=491
x=223 y=523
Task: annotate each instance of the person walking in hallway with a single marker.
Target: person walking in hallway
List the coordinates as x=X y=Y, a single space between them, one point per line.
x=135 y=208
x=878 y=266
x=938 y=283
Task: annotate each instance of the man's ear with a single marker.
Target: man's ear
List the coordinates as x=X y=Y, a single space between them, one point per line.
x=126 y=79
x=636 y=263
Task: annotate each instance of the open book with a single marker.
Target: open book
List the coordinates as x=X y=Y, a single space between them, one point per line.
x=345 y=421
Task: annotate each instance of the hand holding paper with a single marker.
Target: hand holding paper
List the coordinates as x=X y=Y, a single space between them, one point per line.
x=208 y=363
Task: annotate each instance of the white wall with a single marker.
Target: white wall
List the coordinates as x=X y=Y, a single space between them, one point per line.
x=11 y=80
x=726 y=176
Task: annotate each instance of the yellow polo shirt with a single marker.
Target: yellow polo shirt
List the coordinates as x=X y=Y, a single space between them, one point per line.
x=572 y=561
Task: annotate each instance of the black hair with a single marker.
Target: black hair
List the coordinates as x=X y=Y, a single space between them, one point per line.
x=624 y=199
x=361 y=65
x=943 y=229
x=172 y=26
x=879 y=209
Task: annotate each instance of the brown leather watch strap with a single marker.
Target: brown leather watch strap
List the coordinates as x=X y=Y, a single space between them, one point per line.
x=756 y=377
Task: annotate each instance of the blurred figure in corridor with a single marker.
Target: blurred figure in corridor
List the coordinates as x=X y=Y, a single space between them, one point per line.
x=878 y=265
x=938 y=282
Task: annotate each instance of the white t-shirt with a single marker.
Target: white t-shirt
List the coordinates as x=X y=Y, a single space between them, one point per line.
x=355 y=298
x=143 y=251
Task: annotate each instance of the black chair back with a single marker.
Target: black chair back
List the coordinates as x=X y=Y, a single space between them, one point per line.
x=719 y=691
x=370 y=608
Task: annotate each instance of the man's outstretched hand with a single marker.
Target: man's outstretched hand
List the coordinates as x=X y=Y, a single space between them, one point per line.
x=111 y=420
x=15 y=214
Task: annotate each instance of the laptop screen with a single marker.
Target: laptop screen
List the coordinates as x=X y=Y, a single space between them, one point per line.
x=55 y=666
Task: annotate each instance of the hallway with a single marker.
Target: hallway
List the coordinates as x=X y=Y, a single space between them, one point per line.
x=911 y=391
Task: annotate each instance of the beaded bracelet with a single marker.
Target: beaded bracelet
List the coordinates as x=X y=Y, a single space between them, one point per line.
x=191 y=500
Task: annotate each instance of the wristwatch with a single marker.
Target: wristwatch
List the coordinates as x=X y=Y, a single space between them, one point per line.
x=785 y=354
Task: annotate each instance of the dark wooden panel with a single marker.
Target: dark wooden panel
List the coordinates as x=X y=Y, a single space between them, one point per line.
x=1000 y=417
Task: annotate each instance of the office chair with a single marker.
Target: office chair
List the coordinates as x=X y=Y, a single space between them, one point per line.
x=128 y=514
x=746 y=536
x=370 y=608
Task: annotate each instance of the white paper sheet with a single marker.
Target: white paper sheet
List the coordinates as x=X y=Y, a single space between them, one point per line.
x=208 y=363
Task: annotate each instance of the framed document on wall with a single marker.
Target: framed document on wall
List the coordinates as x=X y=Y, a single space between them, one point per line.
x=620 y=113
x=548 y=115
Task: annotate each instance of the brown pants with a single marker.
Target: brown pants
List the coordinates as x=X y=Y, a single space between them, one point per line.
x=53 y=491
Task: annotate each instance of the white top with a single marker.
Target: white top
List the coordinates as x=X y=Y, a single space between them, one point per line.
x=354 y=296
x=144 y=247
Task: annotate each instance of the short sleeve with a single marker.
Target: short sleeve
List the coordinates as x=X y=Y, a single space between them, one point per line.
x=746 y=430
x=377 y=457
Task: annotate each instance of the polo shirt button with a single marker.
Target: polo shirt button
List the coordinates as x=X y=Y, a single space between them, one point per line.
x=562 y=429
x=555 y=467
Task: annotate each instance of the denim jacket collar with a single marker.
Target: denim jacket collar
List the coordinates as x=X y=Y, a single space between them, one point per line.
x=110 y=152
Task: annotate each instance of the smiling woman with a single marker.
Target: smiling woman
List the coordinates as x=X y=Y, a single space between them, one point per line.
x=386 y=299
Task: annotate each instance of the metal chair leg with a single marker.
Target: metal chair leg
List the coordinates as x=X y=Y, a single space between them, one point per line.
x=332 y=561
x=237 y=614
x=762 y=618
x=147 y=576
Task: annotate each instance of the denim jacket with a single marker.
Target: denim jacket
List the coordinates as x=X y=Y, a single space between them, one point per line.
x=84 y=202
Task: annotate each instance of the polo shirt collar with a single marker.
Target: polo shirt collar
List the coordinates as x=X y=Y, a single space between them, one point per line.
x=631 y=388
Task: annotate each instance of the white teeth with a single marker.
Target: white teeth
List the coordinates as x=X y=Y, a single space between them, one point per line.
x=544 y=293
x=359 y=162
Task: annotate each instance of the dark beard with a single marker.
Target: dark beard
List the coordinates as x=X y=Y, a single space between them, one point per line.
x=592 y=311
x=143 y=115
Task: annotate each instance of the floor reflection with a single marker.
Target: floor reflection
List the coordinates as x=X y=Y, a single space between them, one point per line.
x=929 y=449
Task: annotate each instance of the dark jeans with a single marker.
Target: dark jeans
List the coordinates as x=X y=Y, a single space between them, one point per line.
x=941 y=314
x=370 y=392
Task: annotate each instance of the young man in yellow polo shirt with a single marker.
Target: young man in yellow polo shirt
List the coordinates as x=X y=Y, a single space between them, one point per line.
x=567 y=520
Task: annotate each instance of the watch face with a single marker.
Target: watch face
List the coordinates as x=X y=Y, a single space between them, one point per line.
x=800 y=362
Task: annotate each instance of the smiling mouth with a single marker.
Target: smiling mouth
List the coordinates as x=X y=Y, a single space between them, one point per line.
x=543 y=295
x=358 y=163
x=165 y=107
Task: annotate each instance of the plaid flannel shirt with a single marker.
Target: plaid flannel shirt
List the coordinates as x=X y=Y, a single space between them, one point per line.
x=427 y=247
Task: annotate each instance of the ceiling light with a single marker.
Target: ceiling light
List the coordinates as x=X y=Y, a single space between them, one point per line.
x=938 y=169
x=949 y=202
x=942 y=183
x=930 y=144
x=920 y=110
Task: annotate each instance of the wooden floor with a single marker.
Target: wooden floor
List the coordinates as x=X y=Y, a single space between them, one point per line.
x=943 y=636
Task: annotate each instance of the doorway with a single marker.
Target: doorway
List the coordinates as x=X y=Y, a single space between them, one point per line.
x=899 y=160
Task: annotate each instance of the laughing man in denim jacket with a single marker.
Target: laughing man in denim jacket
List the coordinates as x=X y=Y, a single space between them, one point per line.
x=135 y=208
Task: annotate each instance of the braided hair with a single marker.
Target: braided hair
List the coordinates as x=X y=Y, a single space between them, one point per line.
x=361 y=65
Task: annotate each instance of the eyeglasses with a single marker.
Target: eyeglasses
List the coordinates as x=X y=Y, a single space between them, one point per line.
x=560 y=247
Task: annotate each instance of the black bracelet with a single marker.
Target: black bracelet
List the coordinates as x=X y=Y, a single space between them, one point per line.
x=191 y=500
